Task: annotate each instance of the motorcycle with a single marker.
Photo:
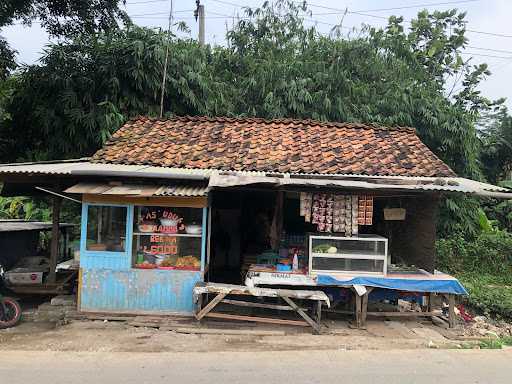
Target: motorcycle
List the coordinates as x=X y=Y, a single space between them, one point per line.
x=10 y=310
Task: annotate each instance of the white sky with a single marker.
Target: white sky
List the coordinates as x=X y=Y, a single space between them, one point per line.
x=484 y=16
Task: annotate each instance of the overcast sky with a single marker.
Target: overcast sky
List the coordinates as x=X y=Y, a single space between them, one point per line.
x=490 y=38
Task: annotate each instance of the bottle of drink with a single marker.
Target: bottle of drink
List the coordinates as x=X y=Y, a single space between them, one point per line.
x=295 y=263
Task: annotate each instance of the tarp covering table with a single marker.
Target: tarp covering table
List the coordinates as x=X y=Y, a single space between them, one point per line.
x=433 y=283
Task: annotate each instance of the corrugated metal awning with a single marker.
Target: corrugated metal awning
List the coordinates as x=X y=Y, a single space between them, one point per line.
x=142 y=190
x=83 y=167
x=21 y=225
x=229 y=178
x=394 y=183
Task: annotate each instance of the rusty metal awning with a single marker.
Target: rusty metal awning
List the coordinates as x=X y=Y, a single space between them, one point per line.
x=142 y=190
x=15 y=225
x=382 y=183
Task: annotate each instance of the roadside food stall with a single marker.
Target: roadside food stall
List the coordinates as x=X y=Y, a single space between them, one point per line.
x=142 y=247
x=190 y=214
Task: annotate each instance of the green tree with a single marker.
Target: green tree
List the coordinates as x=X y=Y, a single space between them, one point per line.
x=273 y=66
x=64 y=17
x=83 y=90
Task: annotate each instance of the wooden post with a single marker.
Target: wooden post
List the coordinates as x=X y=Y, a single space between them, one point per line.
x=451 y=310
x=54 y=254
x=364 y=306
x=319 y=312
x=429 y=302
x=358 y=310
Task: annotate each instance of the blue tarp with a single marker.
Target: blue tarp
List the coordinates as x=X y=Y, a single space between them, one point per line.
x=432 y=285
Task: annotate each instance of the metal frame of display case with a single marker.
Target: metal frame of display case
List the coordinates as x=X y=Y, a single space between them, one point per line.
x=341 y=255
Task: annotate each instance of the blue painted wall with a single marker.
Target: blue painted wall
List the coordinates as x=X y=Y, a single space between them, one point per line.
x=110 y=284
x=138 y=290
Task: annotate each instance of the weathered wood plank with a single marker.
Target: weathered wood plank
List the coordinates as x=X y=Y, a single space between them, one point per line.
x=303 y=314
x=402 y=314
x=257 y=305
x=208 y=307
x=202 y=288
x=257 y=319
x=214 y=331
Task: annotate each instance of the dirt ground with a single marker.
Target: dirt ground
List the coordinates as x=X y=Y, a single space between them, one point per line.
x=114 y=336
x=58 y=327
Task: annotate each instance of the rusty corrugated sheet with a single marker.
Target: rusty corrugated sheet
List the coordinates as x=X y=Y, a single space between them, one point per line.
x=182 y=190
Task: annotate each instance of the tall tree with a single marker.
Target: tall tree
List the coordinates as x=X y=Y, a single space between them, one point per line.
x=273 y=66
x=64 y=17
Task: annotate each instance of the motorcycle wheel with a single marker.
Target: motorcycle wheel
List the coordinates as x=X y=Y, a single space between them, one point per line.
x=13 y=315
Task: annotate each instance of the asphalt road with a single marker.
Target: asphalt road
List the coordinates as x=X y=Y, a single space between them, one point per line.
x=290 y=367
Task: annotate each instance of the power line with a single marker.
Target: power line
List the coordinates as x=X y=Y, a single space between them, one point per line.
x=229 y=3
x=483 y=55
x=160 y=13
x=490 y=49
x=489 y=33
x=420 y=6
x=146 y=2
x=407 y=21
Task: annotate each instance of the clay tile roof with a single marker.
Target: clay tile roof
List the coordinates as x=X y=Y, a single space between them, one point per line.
x=284 y=145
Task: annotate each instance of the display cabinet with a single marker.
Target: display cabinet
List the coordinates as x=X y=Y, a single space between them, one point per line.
x=364 y=254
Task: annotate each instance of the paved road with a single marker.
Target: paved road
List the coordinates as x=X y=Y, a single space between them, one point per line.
x=362 y=367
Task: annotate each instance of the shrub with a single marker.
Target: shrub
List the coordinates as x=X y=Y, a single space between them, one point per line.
x=484 y=267
x=489 y=253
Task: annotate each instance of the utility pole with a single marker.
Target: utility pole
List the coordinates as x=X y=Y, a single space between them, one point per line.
x=199 y=14
x=164 y=78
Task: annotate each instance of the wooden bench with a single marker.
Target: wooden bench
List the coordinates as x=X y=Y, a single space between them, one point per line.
x=220 y=291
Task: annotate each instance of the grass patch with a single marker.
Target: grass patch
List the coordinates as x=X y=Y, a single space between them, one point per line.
x=484 y=266
x=490 y=294
x=496 y=343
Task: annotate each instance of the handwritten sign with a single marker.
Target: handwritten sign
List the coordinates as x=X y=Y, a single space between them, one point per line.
x=161 y=245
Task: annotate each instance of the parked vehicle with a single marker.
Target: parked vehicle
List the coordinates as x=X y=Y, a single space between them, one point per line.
x=10 y=310
x=26 y=258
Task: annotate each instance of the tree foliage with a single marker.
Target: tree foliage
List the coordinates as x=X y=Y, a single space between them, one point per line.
x=64 y=17
x=273 y=66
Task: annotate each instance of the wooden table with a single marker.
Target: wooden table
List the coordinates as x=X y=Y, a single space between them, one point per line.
x=287 y=295
x=361 y=309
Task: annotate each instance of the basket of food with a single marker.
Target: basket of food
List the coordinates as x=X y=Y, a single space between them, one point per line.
x=146 y=227
x=145 y=265
x=189 y=263
x=169 y=262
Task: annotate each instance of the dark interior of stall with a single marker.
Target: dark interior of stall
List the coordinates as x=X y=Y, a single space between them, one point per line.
x=242 y=230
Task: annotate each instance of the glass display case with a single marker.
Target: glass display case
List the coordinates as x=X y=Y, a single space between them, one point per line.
x=167 y=237
x=365 y=254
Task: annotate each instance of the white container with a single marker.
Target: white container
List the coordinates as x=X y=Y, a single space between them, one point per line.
x=23 y=278
x=169 y=222
x=159 y=259
x=193 y=229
